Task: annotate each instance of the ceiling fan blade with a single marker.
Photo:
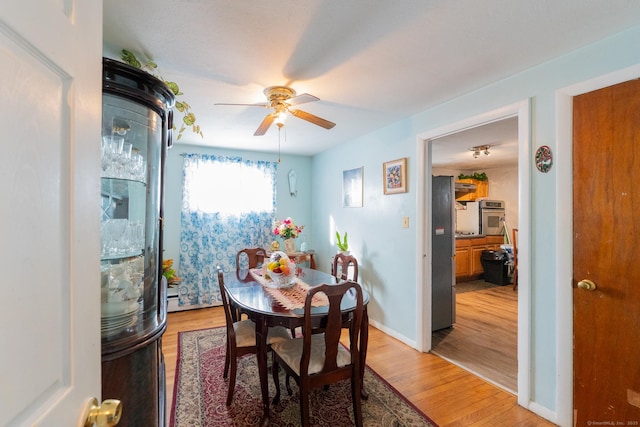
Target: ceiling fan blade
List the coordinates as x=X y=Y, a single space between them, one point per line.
x=312 y=119
x=301 y=99
x=265 y=125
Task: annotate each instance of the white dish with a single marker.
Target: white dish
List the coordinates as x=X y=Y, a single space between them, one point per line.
x=106 y=321
x=117 y=328
x=116 y=325
x=115 y=309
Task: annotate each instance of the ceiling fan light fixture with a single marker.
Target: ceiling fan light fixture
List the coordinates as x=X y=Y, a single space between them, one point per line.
x=280 y=118
x=281 y=99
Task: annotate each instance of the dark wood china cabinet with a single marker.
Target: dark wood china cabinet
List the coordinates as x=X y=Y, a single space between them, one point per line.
x=136 y=133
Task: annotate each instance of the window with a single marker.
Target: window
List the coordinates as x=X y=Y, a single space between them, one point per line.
x=230 y=188
x=227 y=204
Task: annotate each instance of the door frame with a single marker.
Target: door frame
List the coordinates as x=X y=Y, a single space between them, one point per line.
x=522 y=110
x=564 y=227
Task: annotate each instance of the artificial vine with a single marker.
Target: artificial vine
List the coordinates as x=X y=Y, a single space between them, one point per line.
x=478 y=176
x=188 y=119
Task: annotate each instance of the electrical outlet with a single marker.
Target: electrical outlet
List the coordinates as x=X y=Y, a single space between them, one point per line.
x=405 y=222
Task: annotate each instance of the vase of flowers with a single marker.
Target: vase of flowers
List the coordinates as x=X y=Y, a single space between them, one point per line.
x=288 y=231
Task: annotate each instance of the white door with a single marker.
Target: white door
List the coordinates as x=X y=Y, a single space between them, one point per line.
x=50 y=117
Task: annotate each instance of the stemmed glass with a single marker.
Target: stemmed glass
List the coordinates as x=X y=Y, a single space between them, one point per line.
x=117 y=227
x=112 y=146
x=122 y=161
x=137 y=167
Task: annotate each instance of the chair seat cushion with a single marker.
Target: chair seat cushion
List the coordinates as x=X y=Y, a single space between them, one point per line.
x=246 y=333
x=290 y=352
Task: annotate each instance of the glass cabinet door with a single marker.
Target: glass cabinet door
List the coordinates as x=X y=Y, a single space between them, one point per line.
x=130 y=191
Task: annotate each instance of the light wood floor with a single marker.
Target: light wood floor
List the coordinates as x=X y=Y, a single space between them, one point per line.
x=484 y=338
x=449 y=395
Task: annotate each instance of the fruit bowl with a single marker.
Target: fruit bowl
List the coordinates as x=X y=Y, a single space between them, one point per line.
x=280 y=271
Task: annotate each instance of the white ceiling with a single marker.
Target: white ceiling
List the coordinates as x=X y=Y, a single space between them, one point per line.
x=453 y=151
x=371 y=62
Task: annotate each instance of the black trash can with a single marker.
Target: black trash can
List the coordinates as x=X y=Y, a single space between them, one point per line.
x=496 y=270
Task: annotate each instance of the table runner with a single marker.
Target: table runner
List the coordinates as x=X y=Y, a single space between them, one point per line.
x=290 y=298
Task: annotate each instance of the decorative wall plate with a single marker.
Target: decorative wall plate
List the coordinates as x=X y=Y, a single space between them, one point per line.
x=544 y=158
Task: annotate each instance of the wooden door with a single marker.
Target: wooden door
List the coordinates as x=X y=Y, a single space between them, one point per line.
x=606 y=215
x=50 y=69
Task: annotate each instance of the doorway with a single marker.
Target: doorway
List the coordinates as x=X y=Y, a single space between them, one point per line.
x=483 y=339
x=425 y=147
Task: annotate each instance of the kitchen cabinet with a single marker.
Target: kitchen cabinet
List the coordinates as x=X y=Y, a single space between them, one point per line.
x=476 y=253
x=463 y=258
x=482 y=190
x=136 y=128
x=469 y=253
x=494 y=242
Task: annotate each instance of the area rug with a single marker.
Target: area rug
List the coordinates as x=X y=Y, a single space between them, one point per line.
x=200 y=392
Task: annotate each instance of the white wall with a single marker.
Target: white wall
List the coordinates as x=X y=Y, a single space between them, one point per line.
x=503 y=185
x=386 y=251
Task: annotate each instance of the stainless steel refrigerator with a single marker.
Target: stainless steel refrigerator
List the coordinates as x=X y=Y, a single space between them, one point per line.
x=443 y=278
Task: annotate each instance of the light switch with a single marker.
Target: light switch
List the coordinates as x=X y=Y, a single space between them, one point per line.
x=405 y=222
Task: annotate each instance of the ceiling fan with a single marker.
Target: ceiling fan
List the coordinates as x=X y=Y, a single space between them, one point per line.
x=281 y=99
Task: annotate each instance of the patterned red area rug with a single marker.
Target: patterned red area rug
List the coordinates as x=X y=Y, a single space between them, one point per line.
x=200 y=392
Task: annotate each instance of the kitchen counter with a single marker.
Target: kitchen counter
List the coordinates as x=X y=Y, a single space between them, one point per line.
x=469 y=236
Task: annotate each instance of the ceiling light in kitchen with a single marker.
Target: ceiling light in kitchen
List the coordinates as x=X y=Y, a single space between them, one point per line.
x=480 y=149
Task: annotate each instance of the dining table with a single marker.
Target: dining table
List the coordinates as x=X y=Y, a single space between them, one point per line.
x=250 y=293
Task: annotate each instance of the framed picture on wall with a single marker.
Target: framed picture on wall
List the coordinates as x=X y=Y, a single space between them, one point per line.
x=394 y=176
x=352 y=188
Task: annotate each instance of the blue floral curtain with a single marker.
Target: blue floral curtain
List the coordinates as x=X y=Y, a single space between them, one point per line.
x=227 y=204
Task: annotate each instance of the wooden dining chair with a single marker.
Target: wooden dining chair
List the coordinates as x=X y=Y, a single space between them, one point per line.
x=514 y=238
x=316 y=360
x=340 y=267
x=248 y=258
x=254 y=257
x=241 y=339
x=340 y=270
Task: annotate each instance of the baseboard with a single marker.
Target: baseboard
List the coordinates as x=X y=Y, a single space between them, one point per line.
x=545 y=413
x=173 y=305
x=394 y=334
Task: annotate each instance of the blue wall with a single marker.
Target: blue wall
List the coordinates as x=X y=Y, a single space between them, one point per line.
x=387 y=251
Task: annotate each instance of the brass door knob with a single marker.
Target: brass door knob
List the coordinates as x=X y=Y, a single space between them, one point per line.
x=587 y=285
x=105 y=415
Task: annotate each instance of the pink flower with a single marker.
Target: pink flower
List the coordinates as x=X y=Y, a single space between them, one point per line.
x=287 y=229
